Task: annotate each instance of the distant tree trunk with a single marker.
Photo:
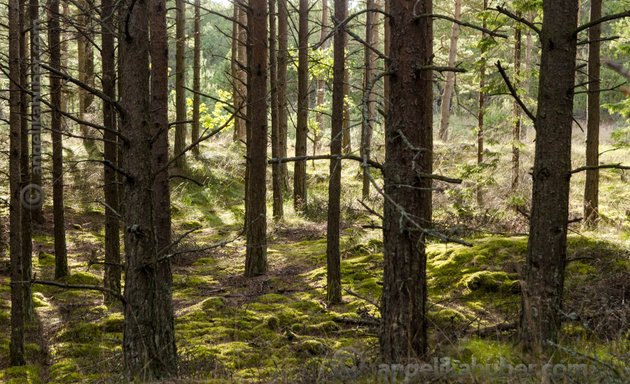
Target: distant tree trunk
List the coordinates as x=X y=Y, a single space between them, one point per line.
x=299 y=173
x=283 y=59
x=25 y=158
x=36 y=118
x=112 y=275
x=321 y=82
x=59 y=221
x=278 y=209
x=346 y=138
x=450 y=76
x=528 y=65
x=194 y=134
x=543 y=273
x=408 y=152
x=481 y=113
x=148 y=334
x=371 y=32
x=16 y=346
x=180 y=83
x=333 y=257
x=591 y=187
x=256 y=258
x=85 y=52
x=516 y=128
x=387 y=37
x=240 y=79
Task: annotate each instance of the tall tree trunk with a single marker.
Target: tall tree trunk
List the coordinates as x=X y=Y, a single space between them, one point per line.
x=591 y=187
x=256 y=206
x=333 y=257
x=148 y=337
x=180 y=83
x=194 y=134
x=25 y=162
x=321 y=82
x=346 y=138
x=283 y=59
x=112 y=275
x=408 y=153
x=387 y=38
x=481 y=113
x=543 y=273
x=299 y=173
x=367 y=119
x=278 y=209
x=85 y=52
x=528 y=65
x=16 y=346
x=59 y=221
x=450 y=76
x=239 y=45
x=516 y=128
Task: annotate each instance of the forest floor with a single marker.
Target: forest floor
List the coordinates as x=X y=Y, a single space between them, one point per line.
x=277 y=328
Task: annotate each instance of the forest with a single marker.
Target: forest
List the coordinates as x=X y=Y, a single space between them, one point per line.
x=315 y=191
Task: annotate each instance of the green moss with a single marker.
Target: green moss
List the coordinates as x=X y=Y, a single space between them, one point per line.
x=27 y=374
x=112 y=323
x=79 y=332
x=485 y=351
x=489 y=281
x=45 y=259
x=85 y=278
x=273 y=298
x=312 y=347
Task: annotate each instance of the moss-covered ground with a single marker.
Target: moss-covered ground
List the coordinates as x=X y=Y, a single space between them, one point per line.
x=277 y=328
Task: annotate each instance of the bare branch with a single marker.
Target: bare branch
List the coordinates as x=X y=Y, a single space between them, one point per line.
x=81 y=287
x=514 y=93
x=604 y=19
x=601 y=166
x=520 y=19
x=462 y=23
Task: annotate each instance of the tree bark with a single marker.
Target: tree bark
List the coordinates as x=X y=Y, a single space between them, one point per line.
x=16 y=345
x=112 y=274
x=283 y=59
x=371 y=32
x=408 y=150
x=543 y=273
x=59 y=221
x=299 y=173
x=346 y=138
x=333 y=257
x=387 y=49
x=240 y=77
x=27 y=176
x=194 y=134
x=516 y=128
x=148 y=334
x=256 y=206
x=278 y=209
x=450 y=76
x=591 y=187
x=180 y=83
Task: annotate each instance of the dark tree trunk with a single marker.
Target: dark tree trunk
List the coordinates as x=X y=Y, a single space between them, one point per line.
x=591 y=187
x=387 y=38
x=450 y=76
x=367 y=119
x=16 y=346
x=333 y=257
x=180 y=83
x=256 y=206
x=516 y=128
x=543 y=274
x=407 y=211
x=283 y=59
x=148 y=337
x=112 y=275
x=299 y=173
x=278 y=209
x=28 y=210
x=59 y=221
x=346 y=139
x=194 y=134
